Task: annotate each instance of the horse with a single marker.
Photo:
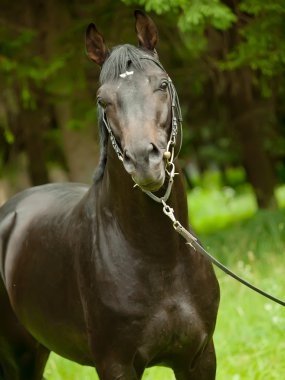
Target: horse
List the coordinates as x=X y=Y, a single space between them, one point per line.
x=98 y=274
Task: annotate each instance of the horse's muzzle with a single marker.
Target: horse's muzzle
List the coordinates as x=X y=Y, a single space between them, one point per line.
x=151 y=184
x=146 y=166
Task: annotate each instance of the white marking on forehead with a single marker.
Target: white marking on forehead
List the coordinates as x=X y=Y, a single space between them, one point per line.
x=127 y=73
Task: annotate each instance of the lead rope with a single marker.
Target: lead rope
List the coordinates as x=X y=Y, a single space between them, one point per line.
x=193 y=242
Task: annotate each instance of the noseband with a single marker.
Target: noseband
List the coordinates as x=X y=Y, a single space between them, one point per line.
x=169 y=155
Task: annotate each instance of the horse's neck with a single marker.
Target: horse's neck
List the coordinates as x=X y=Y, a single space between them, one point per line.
x=139 y=217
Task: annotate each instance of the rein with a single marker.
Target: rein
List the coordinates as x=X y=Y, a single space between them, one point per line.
x=169 y=156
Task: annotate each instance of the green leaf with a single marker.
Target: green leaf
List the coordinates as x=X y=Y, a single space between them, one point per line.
x=9 y=137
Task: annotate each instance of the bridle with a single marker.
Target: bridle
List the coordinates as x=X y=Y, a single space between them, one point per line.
x=176 y=126
x=169 y=155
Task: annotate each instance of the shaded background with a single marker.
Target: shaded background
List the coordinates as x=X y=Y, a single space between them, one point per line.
x=225 y=57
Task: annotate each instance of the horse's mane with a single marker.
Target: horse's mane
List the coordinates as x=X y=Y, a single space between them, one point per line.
x=118 y=62
x=103 y=134
x=120 y=59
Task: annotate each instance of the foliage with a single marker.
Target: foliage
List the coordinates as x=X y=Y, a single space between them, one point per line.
x=262 y=42
x=18 y=68
x=193 y=13
x=213 y=206
x=43 y=84
x=192 y=17
x=213 y=209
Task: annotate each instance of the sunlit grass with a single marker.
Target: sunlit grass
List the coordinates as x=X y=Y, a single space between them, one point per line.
x=62 y=369
x=250 y=330
x=280 y=195
x=213 y=209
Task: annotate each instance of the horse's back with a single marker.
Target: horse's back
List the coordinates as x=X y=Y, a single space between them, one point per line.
x=34 y=207
x=44 y=197
x=37 y=261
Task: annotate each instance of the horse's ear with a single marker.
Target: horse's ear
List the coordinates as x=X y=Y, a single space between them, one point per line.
x=146 y=31
x=95 y=45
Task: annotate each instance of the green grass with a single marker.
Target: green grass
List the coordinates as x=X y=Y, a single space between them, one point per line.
x=213 y=207
x=251 y=329
x=61 y=369
x=280 y=195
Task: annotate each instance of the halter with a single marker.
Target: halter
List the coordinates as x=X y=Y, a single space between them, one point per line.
x=176 y=125
x=169 y=155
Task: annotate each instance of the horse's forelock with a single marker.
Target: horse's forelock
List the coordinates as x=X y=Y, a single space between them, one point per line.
x=119 y=61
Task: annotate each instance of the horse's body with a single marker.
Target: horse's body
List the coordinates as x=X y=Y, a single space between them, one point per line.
x=100 y=276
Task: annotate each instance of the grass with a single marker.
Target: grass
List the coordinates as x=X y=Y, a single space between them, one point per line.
x=216 y=208
x=213 y=207
x=250 y=332
x=61 y=369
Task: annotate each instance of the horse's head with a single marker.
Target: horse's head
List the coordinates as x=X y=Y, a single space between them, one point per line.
x=135 y=101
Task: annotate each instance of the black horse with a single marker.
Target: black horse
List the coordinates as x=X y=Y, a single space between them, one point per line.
x=98 y=274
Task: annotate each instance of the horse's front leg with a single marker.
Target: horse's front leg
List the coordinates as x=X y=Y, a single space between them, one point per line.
x=204 y=367
x=112 y=370
x=114 y=361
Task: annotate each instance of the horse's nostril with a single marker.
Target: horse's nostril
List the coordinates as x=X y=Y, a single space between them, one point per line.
x=127 y=157
x=129 y=161
x=154 y=151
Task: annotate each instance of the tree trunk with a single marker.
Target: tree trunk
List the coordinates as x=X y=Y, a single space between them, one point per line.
x=34 y=120
x=249 y=126
x=80 y=146
x=243 y=100
x=33 y=124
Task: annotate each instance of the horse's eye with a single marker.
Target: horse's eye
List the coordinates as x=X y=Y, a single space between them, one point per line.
x=163 y=85
x=102 y=103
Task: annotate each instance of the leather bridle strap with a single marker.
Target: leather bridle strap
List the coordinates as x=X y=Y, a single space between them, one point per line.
x=114 y=143
x=176 y=123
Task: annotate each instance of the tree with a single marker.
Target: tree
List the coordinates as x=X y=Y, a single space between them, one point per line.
x=227 y=58
x=43 y=102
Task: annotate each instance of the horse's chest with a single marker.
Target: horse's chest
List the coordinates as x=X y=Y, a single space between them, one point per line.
x=154 y=303
x=173 y=327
